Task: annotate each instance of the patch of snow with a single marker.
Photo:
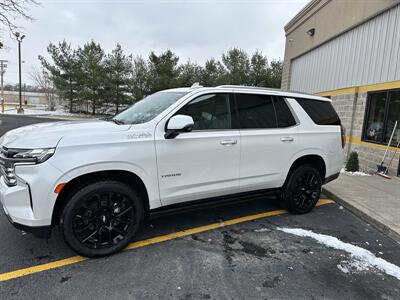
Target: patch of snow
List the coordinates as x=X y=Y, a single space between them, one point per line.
x=358 y=173
x=39 y=112
x=344 y=269
x=361 y=259
x=262 y=230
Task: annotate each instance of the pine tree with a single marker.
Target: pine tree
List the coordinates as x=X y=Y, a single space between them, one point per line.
x=90 y=59
x=352 y=164
x=64 y=71
x=189 y=73
x=213 y=73
x=139 y=83
x=163 y=71
x=237 y=63
x=258 y=70
x=118 y=68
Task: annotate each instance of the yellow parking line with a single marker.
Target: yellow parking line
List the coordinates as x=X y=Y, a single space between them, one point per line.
x=143 y=243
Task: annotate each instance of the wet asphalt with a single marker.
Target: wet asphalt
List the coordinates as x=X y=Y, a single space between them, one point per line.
x=249 y=260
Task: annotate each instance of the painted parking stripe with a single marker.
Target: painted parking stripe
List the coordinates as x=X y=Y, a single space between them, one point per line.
x=139 y=244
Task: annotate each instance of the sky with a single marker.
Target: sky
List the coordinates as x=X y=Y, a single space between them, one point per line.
x=193 y=29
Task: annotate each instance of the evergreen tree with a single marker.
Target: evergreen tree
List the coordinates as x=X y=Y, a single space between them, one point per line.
x=93 y=74
x=213 y=73
x=88 y=75
x=258 y=70
x=352 y=164
x=163 y=71
x=275 y=74
x=118 y=68
x=64 y=72
x=237 y=63
x=189 y=73
x=140 y=86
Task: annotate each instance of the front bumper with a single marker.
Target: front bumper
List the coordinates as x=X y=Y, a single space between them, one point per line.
x=17 y=206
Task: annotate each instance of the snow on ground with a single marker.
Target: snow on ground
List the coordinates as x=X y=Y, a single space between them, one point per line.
x=358 y=173
x=360 y=259
x=39 y=112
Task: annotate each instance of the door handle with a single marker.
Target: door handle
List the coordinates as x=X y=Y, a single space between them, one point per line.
x=287 y=139
x=228 y=142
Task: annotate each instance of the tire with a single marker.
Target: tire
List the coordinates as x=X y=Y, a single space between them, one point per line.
x=101 y=218
x=302 y=190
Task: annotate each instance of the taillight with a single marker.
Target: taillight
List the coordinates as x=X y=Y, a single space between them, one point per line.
x=343 y=131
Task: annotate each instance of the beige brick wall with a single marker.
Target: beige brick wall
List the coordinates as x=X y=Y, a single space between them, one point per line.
x=370 y=157
x=285 y=75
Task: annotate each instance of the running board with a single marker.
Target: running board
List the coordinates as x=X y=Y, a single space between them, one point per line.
x=211 y=202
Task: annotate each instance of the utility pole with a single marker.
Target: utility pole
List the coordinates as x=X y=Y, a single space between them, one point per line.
x=3 y=67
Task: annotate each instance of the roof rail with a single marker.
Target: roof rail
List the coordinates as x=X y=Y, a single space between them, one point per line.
x=248 y=87
x=262 y=88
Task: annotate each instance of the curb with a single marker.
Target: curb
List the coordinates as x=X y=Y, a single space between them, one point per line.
x=364 y=216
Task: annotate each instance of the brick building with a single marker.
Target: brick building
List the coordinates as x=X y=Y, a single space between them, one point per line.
x=28 y=98
x=350 y=51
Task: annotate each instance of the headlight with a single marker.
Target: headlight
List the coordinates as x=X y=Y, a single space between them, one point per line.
x=9 y=158
x=31 y=155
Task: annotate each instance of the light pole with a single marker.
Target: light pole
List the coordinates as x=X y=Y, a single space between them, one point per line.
x=19 y=39
x=3 y=66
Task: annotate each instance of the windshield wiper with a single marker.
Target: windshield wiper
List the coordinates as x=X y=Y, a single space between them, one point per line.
x=116 y=121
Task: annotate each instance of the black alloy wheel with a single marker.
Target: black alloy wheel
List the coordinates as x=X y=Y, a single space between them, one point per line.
x=101 y=218
x=303 y=189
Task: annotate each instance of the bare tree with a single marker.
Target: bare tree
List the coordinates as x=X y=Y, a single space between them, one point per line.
x=42 y=80
x=11 y=10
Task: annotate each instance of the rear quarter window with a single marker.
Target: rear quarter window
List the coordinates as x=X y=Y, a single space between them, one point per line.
x=283 y=114
x=321 y=112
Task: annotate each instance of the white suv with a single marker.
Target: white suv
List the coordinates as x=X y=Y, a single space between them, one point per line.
x=98 y=180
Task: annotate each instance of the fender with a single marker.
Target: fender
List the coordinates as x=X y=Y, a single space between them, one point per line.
x=150 y=183
x=304 y=152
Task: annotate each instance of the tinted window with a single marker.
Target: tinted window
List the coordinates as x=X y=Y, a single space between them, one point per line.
x=209 y=112
x=321 y=112
x=255 y=111
x=283 y=113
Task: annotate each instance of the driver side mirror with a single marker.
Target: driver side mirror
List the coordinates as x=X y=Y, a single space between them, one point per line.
x=178 y=124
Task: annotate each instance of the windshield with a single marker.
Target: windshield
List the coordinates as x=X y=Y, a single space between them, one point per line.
x=148 y=108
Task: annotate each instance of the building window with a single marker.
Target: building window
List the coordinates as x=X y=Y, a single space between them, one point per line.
x=383 y=110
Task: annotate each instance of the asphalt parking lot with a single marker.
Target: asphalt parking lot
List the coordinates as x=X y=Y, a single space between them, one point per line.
x=243 y=254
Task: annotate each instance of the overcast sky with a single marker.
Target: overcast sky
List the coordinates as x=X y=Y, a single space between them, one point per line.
x=195 y=30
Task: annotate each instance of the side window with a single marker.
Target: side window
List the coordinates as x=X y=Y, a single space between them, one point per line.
x=321 y=112
x=209 y=112
x=283 y=114
x=255 y=111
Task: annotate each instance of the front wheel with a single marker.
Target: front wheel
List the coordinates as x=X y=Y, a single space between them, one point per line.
x=302 y=190
x=101 y=218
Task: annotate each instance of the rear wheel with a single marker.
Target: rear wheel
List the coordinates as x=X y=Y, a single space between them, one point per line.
x=302 y=190
x=101 y=218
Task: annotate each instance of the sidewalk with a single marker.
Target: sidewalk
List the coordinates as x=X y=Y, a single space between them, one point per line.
x=372 y=198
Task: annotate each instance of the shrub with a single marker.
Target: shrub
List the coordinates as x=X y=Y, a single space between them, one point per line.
x=352 y=164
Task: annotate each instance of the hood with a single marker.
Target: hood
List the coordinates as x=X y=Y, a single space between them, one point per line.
x=47 y=135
